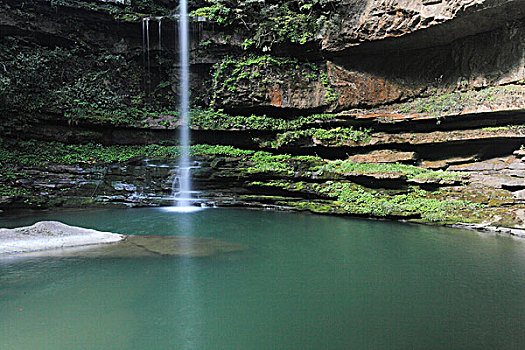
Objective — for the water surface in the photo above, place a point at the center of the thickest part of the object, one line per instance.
(307, 282)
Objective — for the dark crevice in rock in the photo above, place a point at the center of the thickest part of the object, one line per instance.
(482, 149)
(275, 191)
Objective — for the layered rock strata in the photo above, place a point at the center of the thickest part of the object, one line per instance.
(401, 109)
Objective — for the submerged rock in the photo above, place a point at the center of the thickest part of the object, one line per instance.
(181, 245)
(51, 238)
(47, 235)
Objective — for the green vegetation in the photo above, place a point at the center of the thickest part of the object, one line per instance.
(79, 83)
(455, 102)
(313, 206)
(282, 184)
(351, 198)
(34, 153)
(39, 153)
(131, 12)
(330, 94)
(496, 128)
(218, 120)
(516, 128)
(416, 203)
(231, 73)
(265, 23)
(263, 162)
(410, 171)
(18, 156)
(333, 137)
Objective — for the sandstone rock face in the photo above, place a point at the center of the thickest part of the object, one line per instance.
(377, 52)
(369, 79)
(437, 84)
(373, 20)
(384, 156)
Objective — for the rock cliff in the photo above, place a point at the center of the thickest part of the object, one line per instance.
(408, 109)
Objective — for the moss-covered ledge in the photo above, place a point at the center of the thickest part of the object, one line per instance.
(48, 174)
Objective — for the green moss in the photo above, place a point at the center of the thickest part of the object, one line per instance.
(516, 128)
(39, 153)
(231, 72)
(81, 84)
(410, 171)
(351, 198)
(333, 137)
(284, 185)
(455, 102)
(416, 203)
(34, 153)
(314, 207)
(330, 94)
(265, 24)
(264, 162)
(131, 12)
(219, 120)
(13, 191)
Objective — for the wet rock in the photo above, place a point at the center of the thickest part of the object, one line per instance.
(506, 231)
(438, 137)
(120, 186)
(514, 173)
(183, 245)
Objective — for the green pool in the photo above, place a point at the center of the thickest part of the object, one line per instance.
(305, 282)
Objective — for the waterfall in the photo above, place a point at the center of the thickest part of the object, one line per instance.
(181, 185)
(146, 54)
(184, 195)
(160, 33)
(147, 42)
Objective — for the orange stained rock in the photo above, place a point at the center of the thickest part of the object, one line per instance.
(357, 88)
(275, 96)
(438, 164)
(383, 156)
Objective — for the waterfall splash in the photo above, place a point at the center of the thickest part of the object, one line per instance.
(184, 198)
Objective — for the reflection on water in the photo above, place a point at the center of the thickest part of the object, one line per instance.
(189, 296)
(183, 209)
(307, 282)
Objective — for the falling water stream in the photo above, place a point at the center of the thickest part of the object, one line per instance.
(184, 198)
(182, 193)
(184, 162)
